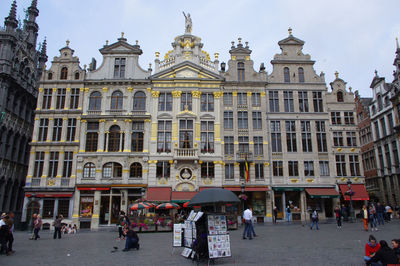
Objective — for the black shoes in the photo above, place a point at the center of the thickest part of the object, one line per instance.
(138, 246)
(125, 249)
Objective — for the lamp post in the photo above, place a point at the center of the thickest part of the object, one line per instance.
(350, 193)
(242, 189)
(33, 198)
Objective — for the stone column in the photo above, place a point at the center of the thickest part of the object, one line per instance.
(39, 99)
(303, 206)
(104, 101)
(146, 135)
(100, 145)
(53, 99)
(60, 167)
(64, 129)
(106, 136)
(122, 136)
(96, 210)
(128, 135)
(75, 213)
(78, 130)
(81, 98)
(82, 135)
(50, 130)
(67, 98)
(45, 169)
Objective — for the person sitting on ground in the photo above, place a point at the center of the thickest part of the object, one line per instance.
(385, 255)
(371, 248)
(64, 229)
(69, 229)
(396, 247)
(132, 239)
(75, 228)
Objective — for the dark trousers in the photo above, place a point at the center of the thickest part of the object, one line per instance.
(275, 217)
(131, 243)
(57, 232)
(36, 232)
(10, 241)
(339, 221)
(120, 232)
(380, 218)
(247, 229)
(3, 243)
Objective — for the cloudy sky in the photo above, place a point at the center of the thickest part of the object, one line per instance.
(353, 37)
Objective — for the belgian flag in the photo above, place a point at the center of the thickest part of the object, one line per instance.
(246, 169)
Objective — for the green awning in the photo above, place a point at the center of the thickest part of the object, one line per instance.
(288, 188)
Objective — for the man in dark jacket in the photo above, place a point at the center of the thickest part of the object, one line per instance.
(380, 210)
(132, 240)
(4, 233)
(385, 255)
(57, 226)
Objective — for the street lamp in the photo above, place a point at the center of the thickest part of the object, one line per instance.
(33, 198)
(242, 196)
(350, 193)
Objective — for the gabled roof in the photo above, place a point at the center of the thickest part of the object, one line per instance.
(375, 81)
(121, 47)
(291, 40)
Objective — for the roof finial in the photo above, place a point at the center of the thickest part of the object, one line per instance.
(336, 74)
(397, 43)
(122, 34)
(233, 44)
(67, 42)
(106, 42)
(240, 40)
(290, 31)
(376, 73)
(13, 10)
(137, 42)
(34, 3)
(44, 46)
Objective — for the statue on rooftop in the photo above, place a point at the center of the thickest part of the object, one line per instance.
(188, 23)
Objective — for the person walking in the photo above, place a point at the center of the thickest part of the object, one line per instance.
(314, 219)
(380, 210)
(57, 226)
(247, 215)
(388, 212)
(37, 224)
(372, 217)
(344, 213)
(365, 215)
(10, 239)
(275, 214)
(338, 214)
(120, 224)
(4, 232)
(288, 214)
(252, 224)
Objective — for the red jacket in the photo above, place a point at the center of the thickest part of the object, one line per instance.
(369, 249)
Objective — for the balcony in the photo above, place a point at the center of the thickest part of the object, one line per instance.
(65, 182)
(185, 154)
(35, 182)
(241, 156)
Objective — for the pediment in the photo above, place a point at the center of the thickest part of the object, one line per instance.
(121, 47)
(187, 70)
(291, 41)
(207, 116)
(186, 114)
(164, 116)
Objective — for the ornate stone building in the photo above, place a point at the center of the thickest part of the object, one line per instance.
(20, 70)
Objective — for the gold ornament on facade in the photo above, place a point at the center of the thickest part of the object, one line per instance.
(294, 180)
(148, 89)
(247, 58)
(102, 121)
(218, 94)
(353, 149)
(105, 89)
(206, 54)
(40, 89)
(339, 149)
(155, 94)
(196, 94)
(207, 181)
(262, 94)
(176, 94)
(234, 93)
(130, 89)
(310, 180)
(157, 55)
(216, 55)
(233, 57)
(249, 93)
(166, 56)
(51, 182)
(54, 89)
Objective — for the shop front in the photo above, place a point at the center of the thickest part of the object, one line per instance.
(292, 197)
(359, 196)
(323, 200)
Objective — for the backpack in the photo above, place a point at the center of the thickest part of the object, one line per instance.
(315, 215)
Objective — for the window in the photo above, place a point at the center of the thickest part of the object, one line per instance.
(321, 136)
(303, 101)
(349, 118)
(288, 101)
(60, 100)
(293, 168)
(380, 103)
(164, 136)
(377, 130)
(229, 171)
(50, 76)
(273, 101)
(207, 170)
(277, 168)
(163, 170)
(57, 129)
(165, 101)
(89, 170)
(139, 101)
(258, 146)
(64, 73)
(339, 96)
(351, 139)
(286, 75)
(395, 155)
(135, 171)
(92, 136)
(324, 168)
(291, 136)
(47, 93)
(306, 136)
(383, 126)
(228, 120)
(186, 101)
(242, 98)
(43, 127)
(308, 168)
(335, 118)
(257, 124)
(301, 75)
(76, 75)
(243, 120)
(259, 170)
(137, 136)
(228, 99)
(207, 102)
(95, 101)
(242, 170)
(243, 144)
(256, 99)
(381, 161)
(74, 103)
(391, 125)
(48, 208)
(276, 136)
(63, 208)
(53, 164)
(207, 137)
(112, 170)
(240, 68)
(68, 158)
(340, 165)
(71, 129)
(388, 158)
(228, 145)
(387, 101)
(39, 163)
(116, 100)
(119, 67)
(114, 139)
(317, 100)
(186, 134)
(338, 139)
(354, 165)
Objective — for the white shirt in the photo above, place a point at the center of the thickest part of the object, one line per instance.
(247, 214)
(2, 222)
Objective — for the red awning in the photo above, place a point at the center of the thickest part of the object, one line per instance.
(359, 190)
(247, 189)
(50, 195)
(318, 192)
(93, 188)
(182, 195)
(159, 194)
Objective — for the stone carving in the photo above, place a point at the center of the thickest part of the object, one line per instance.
(188, 23)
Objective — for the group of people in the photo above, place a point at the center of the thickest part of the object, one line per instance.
(7, 233)
(375, 214)
(248, 224)
(378, 254)
(126, 232)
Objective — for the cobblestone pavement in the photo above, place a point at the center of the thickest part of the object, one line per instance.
(276, 245)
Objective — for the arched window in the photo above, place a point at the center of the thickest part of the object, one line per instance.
(116, 100)
(112, 170)
(50, 76)
(301, 75)
(240, 68)
(89, 170)
(95, 101)
(373, 109)
(136, 170)
(64, 73)
(380, 103)
(286, 74)
(76, 75)
(139, 101)
(387, 101)
(339, 96)
(114, 139)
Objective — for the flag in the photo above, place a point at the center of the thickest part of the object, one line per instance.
(246, 169)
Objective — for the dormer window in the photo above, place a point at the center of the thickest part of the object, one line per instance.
(339, 96)
(50, 76)
(64, 73)
(286, 74)
(240, 68)
(76, 75)
(119, 68)
(301, 75)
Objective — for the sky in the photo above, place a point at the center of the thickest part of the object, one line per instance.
(353, 37)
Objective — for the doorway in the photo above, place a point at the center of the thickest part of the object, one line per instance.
(115, 208)
(279, 204)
